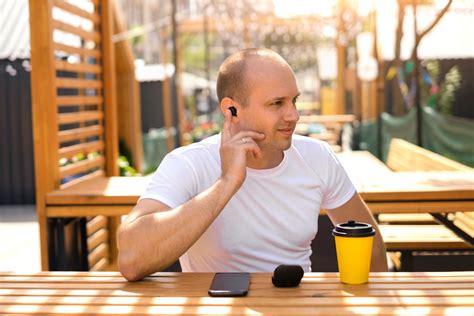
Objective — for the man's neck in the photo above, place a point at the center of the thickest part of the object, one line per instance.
(269, 160)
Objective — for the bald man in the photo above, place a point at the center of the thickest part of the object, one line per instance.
(247, 199)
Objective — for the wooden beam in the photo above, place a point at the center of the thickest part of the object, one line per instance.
(101, 236)
(89, 147)
(88, 210)
(43, 91)
(79, 100)
(68, 7)
(166, 100)
(79, 133)
(81, 166)
(111, 134)
(68, 83)
(85, 68)
(93, 175)
(86, 35)
(128, 96)
(111, 116)
(94, 53)
(77, 117)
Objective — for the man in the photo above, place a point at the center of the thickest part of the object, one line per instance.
(249, 198)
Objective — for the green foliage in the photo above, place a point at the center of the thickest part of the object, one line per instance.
(450, 85)
(194, 52)
(125, 169)
(137, 40)
(204, 130)
(440, 96)
(78, 157)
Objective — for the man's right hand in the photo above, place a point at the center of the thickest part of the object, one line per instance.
(234, 149)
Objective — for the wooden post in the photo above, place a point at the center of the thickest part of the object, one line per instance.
(110, 98)
(180, 97)
(128, 96)
(43, 91)
(177, 72)
(341, 63)
(111, 118)
(166, 101)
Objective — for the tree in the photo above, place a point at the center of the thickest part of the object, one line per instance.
(411, 80)
(408, 81)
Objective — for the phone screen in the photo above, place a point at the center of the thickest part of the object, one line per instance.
(230, 284)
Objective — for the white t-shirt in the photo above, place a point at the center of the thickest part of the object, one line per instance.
(273, 217)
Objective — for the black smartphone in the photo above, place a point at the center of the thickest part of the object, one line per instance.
(230, 284)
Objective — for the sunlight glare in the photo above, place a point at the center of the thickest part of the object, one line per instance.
(285, 8)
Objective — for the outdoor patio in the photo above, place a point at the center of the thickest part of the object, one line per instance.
(19, 232)
(95, 93)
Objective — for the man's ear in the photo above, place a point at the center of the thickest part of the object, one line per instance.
(227, 103)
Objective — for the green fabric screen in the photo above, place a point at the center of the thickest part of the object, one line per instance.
(449, 136)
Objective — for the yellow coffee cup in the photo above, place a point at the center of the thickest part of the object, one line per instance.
(354, 251)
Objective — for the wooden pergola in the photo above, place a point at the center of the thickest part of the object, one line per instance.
(84, 99)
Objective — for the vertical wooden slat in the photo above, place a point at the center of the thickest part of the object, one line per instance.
(110, 99)
(110, 103)
(181, 99)
(167, 108)
(128, 96)
(44, 110)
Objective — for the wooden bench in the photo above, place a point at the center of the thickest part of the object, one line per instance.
(75, 123)
(420, 237)
(405, 156)
(417, 232)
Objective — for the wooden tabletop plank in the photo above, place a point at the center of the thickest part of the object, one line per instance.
(102, 190)
(248, 301)
(258, 275)
(257, 278)
(208, 279)
(200, 289)
(263, 277)
(277, 293)
(231, 310)
(186, 293)
(374, 181)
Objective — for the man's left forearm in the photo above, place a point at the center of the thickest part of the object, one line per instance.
(356, 209)
(379, 255)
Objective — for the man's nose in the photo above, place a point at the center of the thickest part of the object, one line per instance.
(292, 114)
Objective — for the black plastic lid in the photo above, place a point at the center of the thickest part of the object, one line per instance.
(353, 229)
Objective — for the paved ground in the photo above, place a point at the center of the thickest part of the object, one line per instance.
(19, 238)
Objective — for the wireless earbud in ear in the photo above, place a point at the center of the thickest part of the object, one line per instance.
(233, 110)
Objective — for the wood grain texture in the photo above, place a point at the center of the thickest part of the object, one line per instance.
(84, 68)
(94, 53)
(128, 95)
(86, 35)
(79, 133)
(71, 8)
(107, 293)
(109, 91)
(44, 116)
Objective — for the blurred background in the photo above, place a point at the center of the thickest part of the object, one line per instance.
(367, 70)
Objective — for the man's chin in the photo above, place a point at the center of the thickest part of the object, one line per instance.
(285, 145)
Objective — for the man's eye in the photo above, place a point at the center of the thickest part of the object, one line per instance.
(295, 100)
(277, 103)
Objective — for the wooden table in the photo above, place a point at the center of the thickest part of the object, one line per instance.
(385, 191)
(107, 293)
(408, 192)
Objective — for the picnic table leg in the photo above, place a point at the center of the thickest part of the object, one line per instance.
(443, 219)
(406, 259)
